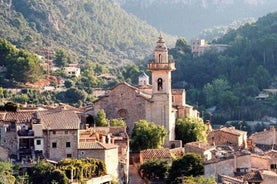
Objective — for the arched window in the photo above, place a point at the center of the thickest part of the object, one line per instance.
(160, 84)
(160, 58)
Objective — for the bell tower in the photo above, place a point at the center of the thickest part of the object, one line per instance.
(161, 67)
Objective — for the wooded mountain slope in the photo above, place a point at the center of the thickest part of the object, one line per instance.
(96, 30)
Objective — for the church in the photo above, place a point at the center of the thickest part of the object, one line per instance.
(156, 102)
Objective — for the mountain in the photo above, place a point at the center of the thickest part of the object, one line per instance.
(228, 83)
(96, 30)
(189, 17)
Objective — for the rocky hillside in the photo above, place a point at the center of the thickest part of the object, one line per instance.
(95, 30)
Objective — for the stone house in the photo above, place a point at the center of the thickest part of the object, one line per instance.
(106, 152)
(240, 165)
(57, 133)
(16, 133)
(165, 154)
(201, 148)
(110, 144)
(272, 154)
(229, 136)
(72, 71)
(267, 137)
(228, 165)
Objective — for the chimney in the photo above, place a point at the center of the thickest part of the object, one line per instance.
(109, 138)
(104, 139)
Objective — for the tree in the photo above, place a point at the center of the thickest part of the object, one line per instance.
(190, 130)
(117, 122)
(198, 180)
(190, 164)
(154, 169)
(7, 50)
(101, 119)
(6, 176)
(62, 59)
(24, 67)
(147, 136)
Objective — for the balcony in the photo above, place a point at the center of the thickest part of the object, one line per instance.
(25, 133)
(161, 66)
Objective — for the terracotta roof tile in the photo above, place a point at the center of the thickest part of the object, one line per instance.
(163, 153)
(17, 116)
(59, 120)
(95, 145)
(253, 176)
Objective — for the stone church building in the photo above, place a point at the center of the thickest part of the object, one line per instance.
(157, 103)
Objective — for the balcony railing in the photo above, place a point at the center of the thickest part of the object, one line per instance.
(161, 66)
(25, 133)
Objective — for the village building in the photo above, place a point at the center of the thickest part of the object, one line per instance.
(265, 140)
(157, 103)
(72, 71)
(200, 46)
(201, 148)
(229, 136)
(55, 134)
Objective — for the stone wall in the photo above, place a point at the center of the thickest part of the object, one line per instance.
(109, 156)
(60, 137)
(123, 102)
(226, 166)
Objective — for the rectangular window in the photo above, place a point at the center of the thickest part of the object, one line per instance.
(54, 144)
(273, 166)
(66, 132)
(68, 144)
(54, 132)
(68, 155)
(38, 142)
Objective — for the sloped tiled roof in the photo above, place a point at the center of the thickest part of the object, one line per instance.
(162, 153)
(231, 130)
(59, 119)
(177, 152)
(16, 116)
(253, 176)
(200, 145)
(95, 145)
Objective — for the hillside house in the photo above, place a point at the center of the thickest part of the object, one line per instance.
(228, 135)
(201, 148)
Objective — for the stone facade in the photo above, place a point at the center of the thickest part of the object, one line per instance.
(107, 153)
(60, 144)
(201, 148)
(157, 103)
(227, 166)
(228, 136)
(267, 137)
(123, 101)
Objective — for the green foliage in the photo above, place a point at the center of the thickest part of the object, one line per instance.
(83, 168)
(154, 170)
(62, 59)
(9, 106)
(7, 50)
(230, 80)
(6, 176)
(101, 119)
(117, 122)
(190, 130)
(131, 73)
(85, 29)
(24, 67)
(147, 135)
(189, 165)
(44, 172)
(198, 180)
